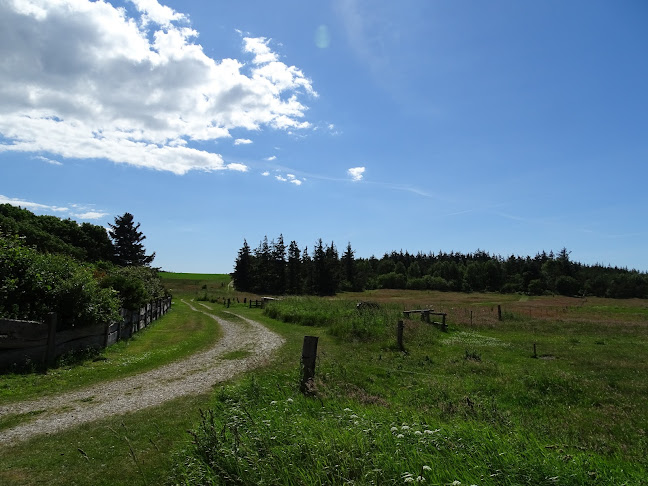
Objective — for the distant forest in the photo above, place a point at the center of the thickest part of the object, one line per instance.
(276, 268)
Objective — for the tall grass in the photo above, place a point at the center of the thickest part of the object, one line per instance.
(341, 317)
(261, 432)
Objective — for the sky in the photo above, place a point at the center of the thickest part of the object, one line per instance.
(423, 125)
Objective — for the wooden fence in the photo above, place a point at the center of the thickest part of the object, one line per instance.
(39, 342)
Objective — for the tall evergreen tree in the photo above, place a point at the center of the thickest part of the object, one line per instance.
(294, 274)
(127, 242)
(278, 266)
(349, 268)
(242, 275)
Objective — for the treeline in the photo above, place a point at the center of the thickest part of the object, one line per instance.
(49, 264)
(275, 268)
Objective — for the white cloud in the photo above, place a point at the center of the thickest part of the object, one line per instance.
(48, 161)
(271, 158)
(82, 79)
(79, 211)
(265, 174)
(356, 173)
(91, 215)
(242, 141)
(32, 206)
(288, 178)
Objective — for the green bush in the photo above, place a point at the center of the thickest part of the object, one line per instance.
(136, 286)
(33, 284)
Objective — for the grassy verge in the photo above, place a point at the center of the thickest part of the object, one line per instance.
(176, 335)
(473, 405)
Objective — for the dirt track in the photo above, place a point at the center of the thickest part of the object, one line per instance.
(194, 375)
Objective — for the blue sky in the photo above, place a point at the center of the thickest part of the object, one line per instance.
(511, 127)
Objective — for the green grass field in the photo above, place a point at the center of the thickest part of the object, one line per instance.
(472, 405)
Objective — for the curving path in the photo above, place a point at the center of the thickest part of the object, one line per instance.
(193, 375)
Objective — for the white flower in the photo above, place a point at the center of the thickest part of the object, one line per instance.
(405, 427)
(394, 429)
(289, 400)
(427, 468)
(400, 436)
(418, 432)
(348, 410)
(353, 416)
(273, 402)
(456, 483)
(420, 479)
(409, 479)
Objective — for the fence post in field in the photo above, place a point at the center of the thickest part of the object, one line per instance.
(51, 339)
(399, 335)
(444, 327)
(499, 312)
(471, 318)
(535, 354)
(309, 356)
(228, 302)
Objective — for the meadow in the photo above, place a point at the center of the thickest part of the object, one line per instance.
(473, 405)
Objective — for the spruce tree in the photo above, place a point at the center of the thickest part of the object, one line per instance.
(242, 275)
(127, 242)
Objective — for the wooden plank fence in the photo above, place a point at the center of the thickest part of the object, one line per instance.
(39, 342)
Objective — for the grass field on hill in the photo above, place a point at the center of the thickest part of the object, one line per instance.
(472, 405)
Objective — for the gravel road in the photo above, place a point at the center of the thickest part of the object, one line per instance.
(194, 375)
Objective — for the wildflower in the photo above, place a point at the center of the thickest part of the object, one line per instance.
(353, 416)
(409, 479)
(427, 468)
(348, 410)
(273, 402)
(289, 400)
(420, 479)
(400, 436)
(418, 432)
(456, 483)
(405, 427)
(394, 429)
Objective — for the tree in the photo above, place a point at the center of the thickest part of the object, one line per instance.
(294, 269)
(242, 275)
(127, 241)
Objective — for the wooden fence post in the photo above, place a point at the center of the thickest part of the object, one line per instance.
(499, 312)
(308, 359)
(50, 355)
(471, 318)
(444, 326)
(399, 335)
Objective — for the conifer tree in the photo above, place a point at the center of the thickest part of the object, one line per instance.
(127, 242)
(242, 275)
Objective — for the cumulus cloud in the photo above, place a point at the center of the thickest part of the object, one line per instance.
(271, 158)
(84, 80)
(356, 173)
(242, 141)
(265, 174)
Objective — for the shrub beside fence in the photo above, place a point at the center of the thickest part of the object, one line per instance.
(22, 342)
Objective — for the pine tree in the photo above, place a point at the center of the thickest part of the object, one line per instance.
(294, 270)
(127, 242)
(242, 275)
(278, 266)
